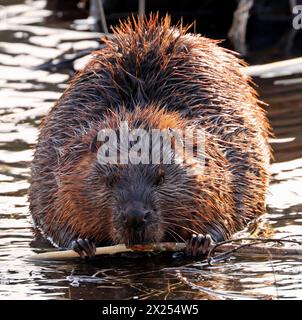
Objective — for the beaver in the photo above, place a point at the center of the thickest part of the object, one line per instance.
(153, 76)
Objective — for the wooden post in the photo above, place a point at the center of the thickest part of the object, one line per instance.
(237, 32)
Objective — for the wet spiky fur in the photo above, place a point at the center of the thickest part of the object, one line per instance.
(155, 76)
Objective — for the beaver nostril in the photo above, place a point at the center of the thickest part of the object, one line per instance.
(136, 218)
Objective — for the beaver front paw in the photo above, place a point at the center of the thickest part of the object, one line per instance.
(198, 245)
(84, 247)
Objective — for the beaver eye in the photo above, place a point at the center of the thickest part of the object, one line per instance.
(160, 178)
(94, 145)
(110, 180)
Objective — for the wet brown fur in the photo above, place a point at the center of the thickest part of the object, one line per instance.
(154, 76)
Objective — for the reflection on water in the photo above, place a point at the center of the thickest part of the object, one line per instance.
(25, 96)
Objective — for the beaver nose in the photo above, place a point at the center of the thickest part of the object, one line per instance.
(136, 218)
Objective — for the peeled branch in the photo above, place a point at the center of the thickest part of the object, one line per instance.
(224, 249)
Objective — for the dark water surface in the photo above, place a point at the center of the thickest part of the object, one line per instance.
(25, 96)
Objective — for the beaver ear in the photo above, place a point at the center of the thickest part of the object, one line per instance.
(95, 144)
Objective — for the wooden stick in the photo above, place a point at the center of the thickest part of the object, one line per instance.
(141, 9)
(275, 69)
(102, 16)
(70, 254)
(237, 32)
(171, 246)
(120, 248)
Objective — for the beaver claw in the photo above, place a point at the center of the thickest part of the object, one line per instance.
(84, 247)
(198, 245)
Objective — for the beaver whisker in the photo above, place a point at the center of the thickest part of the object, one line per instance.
(191, 231)
(184, 217)
(172, 233)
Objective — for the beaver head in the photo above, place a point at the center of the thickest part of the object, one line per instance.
(146, 201)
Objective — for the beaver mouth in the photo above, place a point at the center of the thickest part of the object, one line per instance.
(148, 234)
(136, 237)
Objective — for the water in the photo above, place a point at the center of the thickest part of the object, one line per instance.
(25, 96)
